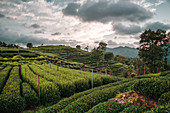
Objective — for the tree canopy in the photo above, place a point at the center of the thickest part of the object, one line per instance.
(151, 49)
(29, 45)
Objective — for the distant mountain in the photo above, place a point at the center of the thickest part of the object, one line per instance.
(124, 51)
(129, 52)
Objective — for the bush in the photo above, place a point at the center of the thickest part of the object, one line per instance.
(147, 76)
(10, 99)
(109, 79)
(165, 73)
(66, 88)
(107, 107)
(4, 76)
(30, 95)
(152, 87)
(50, 93)
(81, 85)
(11, 104)
(134, 109)
(164, 99)
(160, 109)
(86, 102)
(133, 75)
(66, 101)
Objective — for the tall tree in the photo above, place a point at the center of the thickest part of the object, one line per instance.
(151, 50)
(78, 46)
(97, 55)
(29, 45)
(108, 56)
(86, 48)
(102, 45)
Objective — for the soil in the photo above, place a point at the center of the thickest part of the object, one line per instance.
(134, 99)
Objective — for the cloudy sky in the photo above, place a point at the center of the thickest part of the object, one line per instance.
(83, 22)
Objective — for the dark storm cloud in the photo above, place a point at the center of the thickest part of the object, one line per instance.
(57, 33)
(38, 31)
(96, 42)
(105, 11)
(135, 29)
(124, 30)
(71, 9)
(35, 26)
(26, 0)
(157, 25)
(1, 15)
(13, 37)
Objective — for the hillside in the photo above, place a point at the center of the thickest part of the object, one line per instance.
(124, 51)
(96, 100)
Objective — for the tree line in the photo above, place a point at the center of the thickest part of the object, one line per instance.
(3, 44)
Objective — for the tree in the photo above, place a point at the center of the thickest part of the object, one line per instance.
(108, 56)
(78, 46)
(151, 50)
(102, 46)
(86, 48)
(120, 59)
(29, 45)
(118, 69)
(97, 55)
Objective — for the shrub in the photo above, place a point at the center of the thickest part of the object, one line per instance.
(160, 109)
(86, 102)
(81, 85)
(107, 107)
(134, 109)
(11, 103)
(66, 88)
(30, 95)
(10, 99)
(109, 79)
(133, 75)
(164, 99)
(50, 93)
(66, 101)
(4, 76)
(152, 87)
(165, 73)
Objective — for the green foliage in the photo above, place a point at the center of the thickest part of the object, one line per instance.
(150, 50)
(120, 59)
(152, 87)
(50, 93)
(29, 45)
(4, 76)
(30, 95)
(118, 68)
(165, 73)
(18, 57)
(164, 99)
(107, 107)
(133, 75)
(97, 55)
(108, 56)
(160, 109)
(78, 46)
(86, 102)
(11, 104)
(147, 76)
(66, 101)
(10, 99)
(134, 109)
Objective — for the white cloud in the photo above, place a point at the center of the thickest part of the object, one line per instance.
(19, 16)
